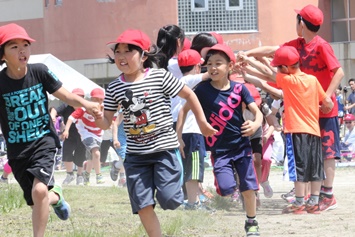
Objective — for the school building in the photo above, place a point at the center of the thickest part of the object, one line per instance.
(76, 31)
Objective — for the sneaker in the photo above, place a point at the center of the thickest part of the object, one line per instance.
(268, 192)
(86, 177)
(68, 179)
(295, 209)
(62, 208)
(114, 171)
(79, 180)
(4, 180)
(289, 196)
(198, 206)
(312, 209)
(99, 179)
(326, 204)
(252, 229)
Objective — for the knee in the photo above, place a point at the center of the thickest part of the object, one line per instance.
(39, 192)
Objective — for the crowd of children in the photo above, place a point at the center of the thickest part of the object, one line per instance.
(161, 144)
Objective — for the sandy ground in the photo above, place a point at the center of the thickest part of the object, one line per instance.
(338, 222)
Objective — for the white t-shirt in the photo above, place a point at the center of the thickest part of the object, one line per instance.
(173, 67)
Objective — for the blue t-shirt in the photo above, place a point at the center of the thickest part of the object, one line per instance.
(223, 110)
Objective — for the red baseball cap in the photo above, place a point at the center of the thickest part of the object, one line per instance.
(97, 93)
(349, 117)
(134, 37)
(285, 55)
(187, 44)
(78, 91)
(189, 57)
(13, 31)
(218, 37)
(219, 47)
(311, 14)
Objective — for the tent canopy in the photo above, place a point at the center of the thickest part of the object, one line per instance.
(67, 75)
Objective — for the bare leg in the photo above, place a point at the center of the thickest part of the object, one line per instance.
(257, 165)
(250, 202)
(68, 166)
(95, 153)
(150, 221)
(192, 189)
(40, 208)
(329, 168)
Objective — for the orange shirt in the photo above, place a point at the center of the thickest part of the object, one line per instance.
(302, 94)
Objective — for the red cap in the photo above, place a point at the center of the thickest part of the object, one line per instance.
(311, 14)
(285, 55)
(187, 44)
(349, 117)
(13, 31)
(219, 47)
(218, 37)
(78, 91)
(189, 57)
(97, 93)
(134, 37)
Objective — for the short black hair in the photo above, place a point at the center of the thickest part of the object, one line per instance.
(186, 69)
(309, 25)
(351, 80)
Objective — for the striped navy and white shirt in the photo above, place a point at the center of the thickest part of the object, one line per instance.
(146, 109)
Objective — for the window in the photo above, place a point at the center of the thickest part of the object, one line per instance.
(223, 16)
(343, 20)
(199, 5)
(234, 4)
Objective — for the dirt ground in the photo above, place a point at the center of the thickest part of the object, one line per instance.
(338, 222)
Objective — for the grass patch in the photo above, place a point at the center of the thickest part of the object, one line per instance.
(11, 198)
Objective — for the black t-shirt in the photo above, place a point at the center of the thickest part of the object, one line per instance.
(24, 117)
(65, 111)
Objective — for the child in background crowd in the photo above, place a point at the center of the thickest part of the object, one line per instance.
(153, 162)
(90, 134)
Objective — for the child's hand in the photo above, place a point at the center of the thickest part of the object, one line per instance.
(116, 144)
(207, 130)
(95, 109)
(65, 135)
(249, 128)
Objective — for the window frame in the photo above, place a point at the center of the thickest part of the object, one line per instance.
(229, 8)
(199, 9)
(348, 20)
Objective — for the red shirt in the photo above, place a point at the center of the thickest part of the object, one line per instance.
(318, 59)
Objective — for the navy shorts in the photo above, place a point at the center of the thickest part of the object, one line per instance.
(304, 155)
(40, 165)
(194, 166)
(154, 175)
(223, 169)
(329, 129)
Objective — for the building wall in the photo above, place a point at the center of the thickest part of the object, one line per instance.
(77, 31)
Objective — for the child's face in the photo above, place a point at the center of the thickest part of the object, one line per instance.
(218, 67)
(128, 61)
(98, 100)
(17, 53)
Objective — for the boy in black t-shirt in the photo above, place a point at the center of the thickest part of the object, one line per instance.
(27, 127)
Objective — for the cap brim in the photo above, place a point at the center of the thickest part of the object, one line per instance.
(111, 45)
(297, 11)
(19, 37)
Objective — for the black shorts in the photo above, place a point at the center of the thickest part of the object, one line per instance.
(74, 151)
(257, 145)
(304, 155)
(40, 165)
(194, 166)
